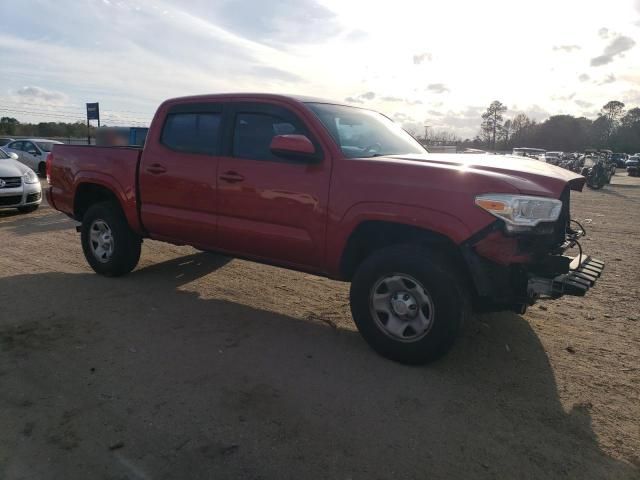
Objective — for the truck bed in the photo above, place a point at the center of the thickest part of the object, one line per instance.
(115, 168)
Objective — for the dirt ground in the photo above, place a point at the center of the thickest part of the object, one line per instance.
(195, 367)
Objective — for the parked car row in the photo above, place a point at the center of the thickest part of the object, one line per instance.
(633, 165)
(32, 152)
(19, 185)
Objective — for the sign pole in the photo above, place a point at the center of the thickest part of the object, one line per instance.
(93, 113)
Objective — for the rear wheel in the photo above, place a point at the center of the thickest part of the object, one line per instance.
(408, 304)
(42, 169)
(109, 245)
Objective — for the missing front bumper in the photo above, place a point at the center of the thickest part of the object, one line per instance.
(584, 270)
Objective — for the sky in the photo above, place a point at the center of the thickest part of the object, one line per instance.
(437, 63)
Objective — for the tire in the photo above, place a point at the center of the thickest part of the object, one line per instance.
(448, 307)
(28, 208)
(42, 169)
(115, 248)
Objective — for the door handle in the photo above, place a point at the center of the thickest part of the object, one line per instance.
(231, 177)
(156, 169)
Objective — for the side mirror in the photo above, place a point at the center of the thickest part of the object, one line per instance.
(293, 146)
(14, 156)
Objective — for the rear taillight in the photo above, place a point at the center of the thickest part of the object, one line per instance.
(48, 169)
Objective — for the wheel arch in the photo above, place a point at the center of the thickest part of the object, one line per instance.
(370, 236)
(88, 194)
(90, 191)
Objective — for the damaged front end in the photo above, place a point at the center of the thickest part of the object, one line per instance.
(512, 269)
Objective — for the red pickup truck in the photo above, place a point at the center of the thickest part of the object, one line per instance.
(337, 191)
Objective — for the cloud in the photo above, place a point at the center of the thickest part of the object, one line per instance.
(41, 95)
(608, 79)
(616, 47)
(566, 48)
(402, 117)
(435, 113)
(391, 99)
(564, 98)
(277, 22)
(356, 35)
(361, 98)
(422, 57)
(583, 103)
(584, 77)
(437, 88)
(413, 102)
(275, 74)
(604, 32)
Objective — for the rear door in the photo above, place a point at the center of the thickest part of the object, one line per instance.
(177, 178)
(271, 208)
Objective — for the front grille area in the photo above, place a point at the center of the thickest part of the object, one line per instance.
(34, 197)
(11, 200)
(564, 221)
(10, 182)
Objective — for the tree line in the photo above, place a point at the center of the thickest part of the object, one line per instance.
(9, 127)
(615, 128)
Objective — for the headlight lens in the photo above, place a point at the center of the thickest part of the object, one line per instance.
(30, 177)
(521, 210)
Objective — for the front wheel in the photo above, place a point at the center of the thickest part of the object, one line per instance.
(408, 304)
(109, 245)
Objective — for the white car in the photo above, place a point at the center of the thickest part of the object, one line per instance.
(19, 185)
(32, 152)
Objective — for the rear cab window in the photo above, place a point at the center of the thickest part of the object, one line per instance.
(193, 129)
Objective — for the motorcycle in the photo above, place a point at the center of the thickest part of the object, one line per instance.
(597, 175)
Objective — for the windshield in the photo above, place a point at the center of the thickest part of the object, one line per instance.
(364, 133)
(45, 146)
(3, 155)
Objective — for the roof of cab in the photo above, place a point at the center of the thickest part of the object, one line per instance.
(257, 96)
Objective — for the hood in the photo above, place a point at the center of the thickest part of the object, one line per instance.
(529, 176)
(12, 168)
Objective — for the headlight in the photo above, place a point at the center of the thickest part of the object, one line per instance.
(30, 177)
(520, 210)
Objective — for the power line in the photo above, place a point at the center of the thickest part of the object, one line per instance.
(110, 117)
(107, 113)
(79, 108)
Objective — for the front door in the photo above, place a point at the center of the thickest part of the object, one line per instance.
(32, 156)
(271, 208)
(16, 147)
(178, 175)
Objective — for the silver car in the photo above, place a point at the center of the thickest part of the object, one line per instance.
(32, 152)
(19, 185)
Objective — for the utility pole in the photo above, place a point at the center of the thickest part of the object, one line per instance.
(426, 132)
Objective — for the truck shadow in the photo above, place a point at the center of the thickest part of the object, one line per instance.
(144, 377)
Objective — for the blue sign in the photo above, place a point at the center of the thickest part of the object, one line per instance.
(93, 111)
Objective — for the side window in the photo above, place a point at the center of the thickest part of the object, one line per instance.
(30, 148)
(253, 133)
(192, 132)
(16, 145)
